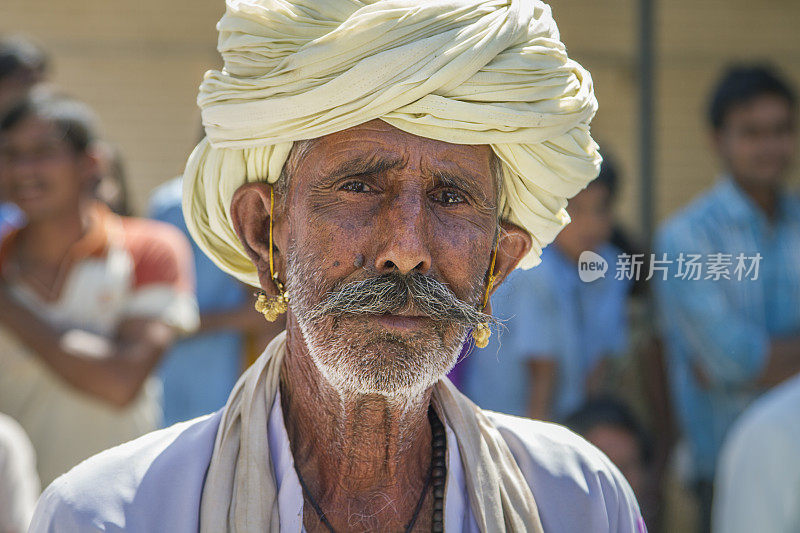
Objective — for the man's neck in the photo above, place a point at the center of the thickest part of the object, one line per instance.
(363, 457)
(47, 241)
(766, 197)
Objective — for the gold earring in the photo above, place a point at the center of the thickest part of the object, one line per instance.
(482, 331)
(272, 306)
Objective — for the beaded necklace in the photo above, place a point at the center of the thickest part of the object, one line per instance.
(436, 477)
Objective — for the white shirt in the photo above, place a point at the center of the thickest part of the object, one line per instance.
(19, 483)
(758, 478)
(154, 483)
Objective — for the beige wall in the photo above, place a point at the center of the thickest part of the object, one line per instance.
(139, 64)
(695, 40)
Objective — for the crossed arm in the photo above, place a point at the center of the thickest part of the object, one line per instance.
(113, 370)
(728, 348)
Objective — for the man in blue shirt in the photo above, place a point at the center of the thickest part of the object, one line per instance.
(559, 331)
(729, 337)
(198, 373)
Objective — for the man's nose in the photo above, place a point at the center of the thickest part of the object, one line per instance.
(404, 236)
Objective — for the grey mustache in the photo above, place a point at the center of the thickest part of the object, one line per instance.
(393, 293)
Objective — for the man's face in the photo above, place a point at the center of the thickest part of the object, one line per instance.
(39, 170)
(371, 203)
(591, 221)
(757, 141)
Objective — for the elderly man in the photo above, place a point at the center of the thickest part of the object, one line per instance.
(390, 162)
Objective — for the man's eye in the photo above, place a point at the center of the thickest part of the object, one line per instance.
(448, 197)
(355, 186)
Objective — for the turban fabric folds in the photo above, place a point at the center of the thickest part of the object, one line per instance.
(462, 71)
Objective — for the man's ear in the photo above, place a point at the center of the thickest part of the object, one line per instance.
(250, 207)
(513, 244)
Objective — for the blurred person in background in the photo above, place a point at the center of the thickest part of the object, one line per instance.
(19, 482)
(23, 65)
(728, 340)
(199, 372)
(610, 424)
(111, 185)
(558, 330)
(89, 301)
(757, 487)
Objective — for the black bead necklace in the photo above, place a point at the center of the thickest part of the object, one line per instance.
(437, 475)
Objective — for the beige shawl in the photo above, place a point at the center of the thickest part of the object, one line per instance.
(240, 492)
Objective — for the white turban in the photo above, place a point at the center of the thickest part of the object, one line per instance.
(462, 71)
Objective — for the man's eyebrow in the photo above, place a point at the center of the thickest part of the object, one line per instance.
(372, 164)
(465, 181)
(377, 163)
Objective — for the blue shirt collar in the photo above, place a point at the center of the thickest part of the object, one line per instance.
(742, 208)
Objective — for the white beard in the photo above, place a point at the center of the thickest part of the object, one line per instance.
(357, 358)
(377, 362)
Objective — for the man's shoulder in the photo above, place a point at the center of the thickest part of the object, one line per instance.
(135, 486)
(575, 485)
(758, 471)
(165, 204)
(12, 436)
(779, 402)
(704, 211)
(771, 417)
(144, 232)
(168, 195)
(160, 253)
(551, 448)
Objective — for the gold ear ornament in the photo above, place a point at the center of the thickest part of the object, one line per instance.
(272, 306)
(482, 331)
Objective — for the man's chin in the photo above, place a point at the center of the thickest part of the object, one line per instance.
(772, 177)
(385, 362)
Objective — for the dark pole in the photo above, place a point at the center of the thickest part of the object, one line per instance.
(647, 120)
(646, 139)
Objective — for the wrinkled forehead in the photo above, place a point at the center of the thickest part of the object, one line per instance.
(376, 147)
